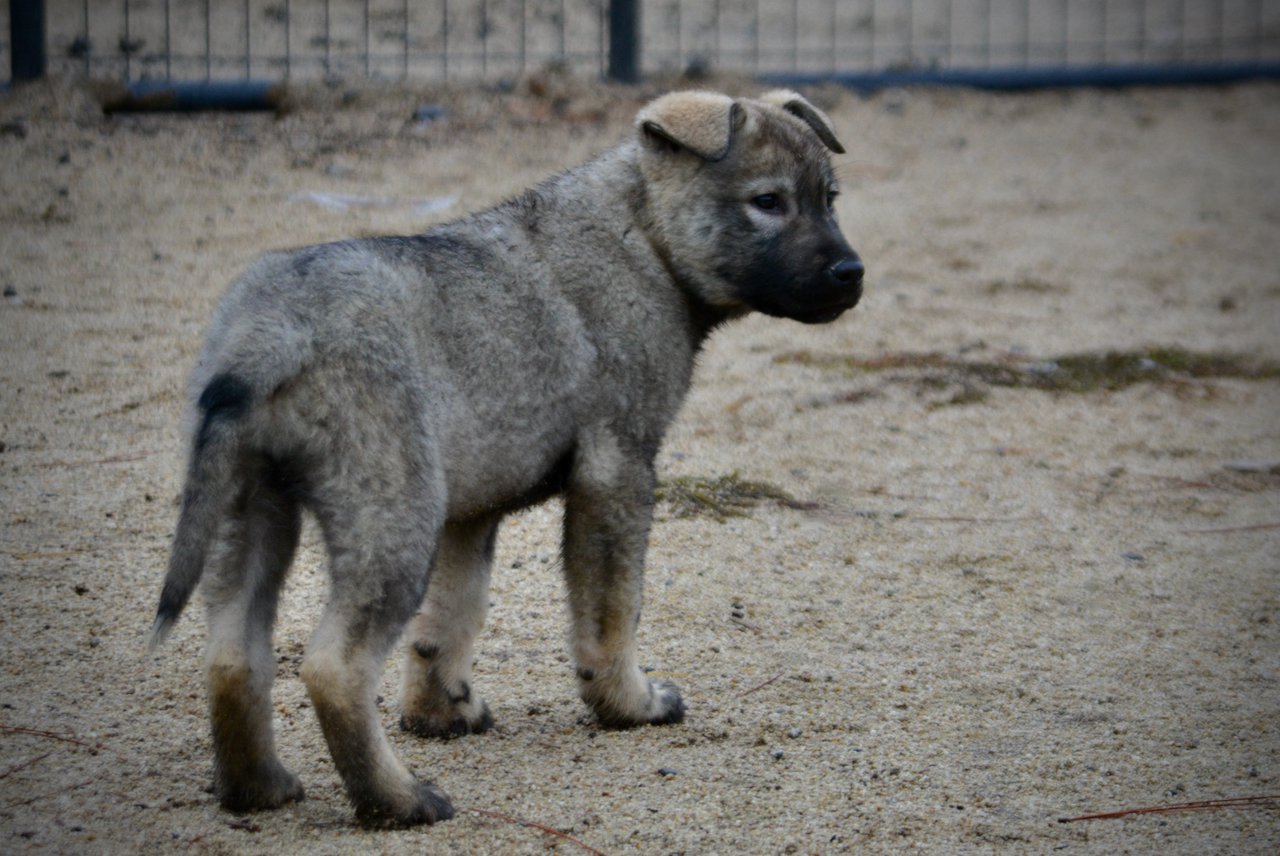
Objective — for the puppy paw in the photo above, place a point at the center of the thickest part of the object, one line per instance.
(269, 788)
(445, 723)
(668, 705)
(428, 805)
(659, 704)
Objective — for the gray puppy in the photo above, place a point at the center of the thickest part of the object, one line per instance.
(411, 391)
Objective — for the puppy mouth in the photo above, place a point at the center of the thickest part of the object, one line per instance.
(821, 316)
(825, 313)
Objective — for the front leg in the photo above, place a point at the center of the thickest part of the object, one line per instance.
(608, 509)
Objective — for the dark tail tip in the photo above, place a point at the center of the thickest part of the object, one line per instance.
(225, 397)
(171, 604)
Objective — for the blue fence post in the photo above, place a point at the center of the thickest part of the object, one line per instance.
(624, 40)
(26, 39)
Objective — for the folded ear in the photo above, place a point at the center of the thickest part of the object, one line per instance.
(701, 122)
(795, 104)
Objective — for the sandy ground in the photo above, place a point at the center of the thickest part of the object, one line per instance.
(997, 606)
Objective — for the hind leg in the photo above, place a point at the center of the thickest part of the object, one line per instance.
(380, 550)
(247, 570)
(438, 700)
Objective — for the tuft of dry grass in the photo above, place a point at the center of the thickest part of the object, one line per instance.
(1074, 373)
(721, 497)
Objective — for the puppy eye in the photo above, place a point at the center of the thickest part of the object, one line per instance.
(831, 198)
(768, 202)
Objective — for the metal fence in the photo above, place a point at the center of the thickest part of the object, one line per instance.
(852, 40)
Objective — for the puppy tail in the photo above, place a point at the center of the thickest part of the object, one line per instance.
(210, 485)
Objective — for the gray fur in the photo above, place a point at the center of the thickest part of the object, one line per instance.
(411, 391)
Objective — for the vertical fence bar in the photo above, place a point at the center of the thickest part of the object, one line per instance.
(1182, 32)
(560, 37)
(26, 39)
(208, 42)
(1221, 22)
(831, 64)
(1259, 49)
(1026, 33)
(911, 34)
(986, 32)
(1066, 32)
(602, 37)
(755, 41)
(288, 42)
(1142, 32)
(951, 36)
(795, 35)
(88, 45)
(168, 44)
(126, 45)
(715, 33)
(484, 38)
(871, 36)
(248, 44)
(624, 40)
(679, 16)
(1104, 30)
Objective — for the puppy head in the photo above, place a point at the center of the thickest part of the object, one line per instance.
(741, 198)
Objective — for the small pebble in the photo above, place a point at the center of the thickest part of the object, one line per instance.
(1133, 557)
(778, 754)
(794, 733)
(668, 771)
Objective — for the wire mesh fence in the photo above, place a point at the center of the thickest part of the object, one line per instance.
(224, 40)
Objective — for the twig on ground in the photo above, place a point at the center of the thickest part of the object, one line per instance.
(52, 735)
(43, 796)
(1271, 801)
(24, 765)
(497, 815)
(1224, 529)
(1175, 482)
(114, 459)
(925, 519)
(761, 686)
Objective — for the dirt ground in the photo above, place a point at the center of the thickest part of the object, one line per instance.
(933, 577)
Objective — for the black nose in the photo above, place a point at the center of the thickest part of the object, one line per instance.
(847, 272)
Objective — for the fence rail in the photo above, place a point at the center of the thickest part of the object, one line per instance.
(275, 40)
